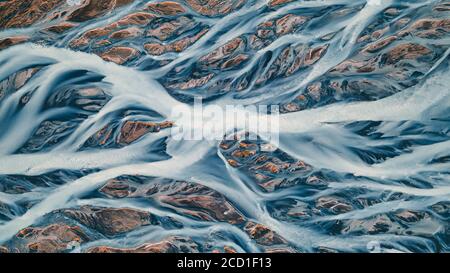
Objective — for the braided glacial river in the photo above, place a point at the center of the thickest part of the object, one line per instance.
(362, 159)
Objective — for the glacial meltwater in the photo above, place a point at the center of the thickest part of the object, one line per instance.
(357, 159)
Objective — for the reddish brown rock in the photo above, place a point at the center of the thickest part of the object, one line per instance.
(177, 46)
(364, 66)
(263, 235)
(244, 153)
(226, 249)
(315, 54)
(226, 144)
(184, 43)
(171, 28)
(215, 7)
(299, 60)
(315, 91)
(410, 216)
(289, 23)
(79, 42)
(103, 135)
(155, 48)
(333, 204)
(291, 107)
(188, 198)
(102, 43)
(134, 21)
(137, 18)
(88, 36)
(173, 244)
(196, 200)
(233, 163)
(235, 61)
(119, 55)
(223, 51)
(265, 33)
(19, 13)
(402, 22)
(215, 206)
(117, 189)
(95, 8)
(10, 41)
(126, 33)
(269, 167)
(274, 3)
(229, 249)
(374, 47)
(61, 28)
(291, 60)
(50, 239)
(110, 221)
(193, 83)
(426, 24)
(133, 130)
(428, 28)
(166, 8)
(378, 33)
(407, 51)
(129, 132)
(96, 32)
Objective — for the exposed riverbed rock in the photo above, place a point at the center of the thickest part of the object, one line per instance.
(171, 28)
(407, 51)
(119, 55)
(19, 13)
(273, 3)
(57, 237)
(133, 130)
(263, 235)
(215, 7)
(333, 204)
(166, 8)
(61, 28)
(269, 167)
(428, 28)
(10, 41)
(174, 244)
(110, 221)
(125, 133)
(95, 8)
(177, 46)
(16, 81)
(192, 199)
